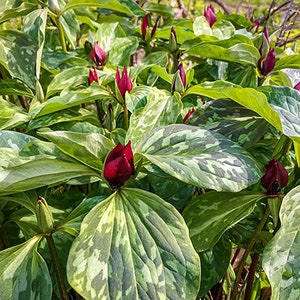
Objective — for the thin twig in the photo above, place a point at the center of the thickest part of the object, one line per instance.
(281, 34)
(223, 6)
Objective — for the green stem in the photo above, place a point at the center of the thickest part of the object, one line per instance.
(61, 34)
(125, 110)
(247, 252)
(59, 276)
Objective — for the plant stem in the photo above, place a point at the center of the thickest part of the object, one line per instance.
(125, 110)
(251, 275)
(247, 252)
(61, 34)
(59, 276)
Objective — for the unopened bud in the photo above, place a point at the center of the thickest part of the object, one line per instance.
(44, 215)
(173, 46)
(39, 92)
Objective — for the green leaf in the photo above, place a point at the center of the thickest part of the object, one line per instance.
(214, 263)
(8, 12)
(88, 148)
(199, 157)
(14, 87)
(227, 117)
(291, 61)
(24, 273)
(18, 52)
(211, 214)
(70, 99)
(120, 253)
(281, 258)
(286, 102)
(108, 4)
(70, 27)
(162, 108)
(13, 139)
(121, 50)
(11, 115)
(165, 11)
(237, 49)
(27, 173)
(66, 79)
(35, 26)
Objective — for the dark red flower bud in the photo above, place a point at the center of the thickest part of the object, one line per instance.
(297, 86)
(93, 76)
(266, 65)
(255, 24)
(119, 165)
(98, 55)
(154, 27)
(145, 25)
(266, 34)
(123, 83)
(210, 15)
(188, 115)
(275, 178)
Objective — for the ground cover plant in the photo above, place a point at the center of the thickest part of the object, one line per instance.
(147, 153)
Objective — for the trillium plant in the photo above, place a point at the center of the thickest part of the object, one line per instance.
(148, 151)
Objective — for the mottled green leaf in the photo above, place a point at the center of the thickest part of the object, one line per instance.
(24, 273)
(199, 157)
(61, 118)
(18, 52)
(8, 12)
(122, 49)
(281, 260)
(70, 77)
(14, 87)
(163, 10)
(27, 173)
(211, 214)
(234, 121)
(70, 99)
(88, 148)
(11, 115)
(162, 108)
(35, 26)
(13, 139)
(134, 245)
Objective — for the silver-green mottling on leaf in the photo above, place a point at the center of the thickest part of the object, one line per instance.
(134, 245)
(199, 157)
(281, 257)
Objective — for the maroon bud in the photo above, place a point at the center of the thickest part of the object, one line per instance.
(145, 25)
(119, 165)
(182, 74)
(98, 55)
(297, 86)
(154, 27)
(266, 65)
(275, 178)
(123, 83)
(93, 76)
(266, 34)
(179, 80)
(188, 115)
(210, 15)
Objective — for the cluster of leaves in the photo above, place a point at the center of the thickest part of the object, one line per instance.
(201, 104)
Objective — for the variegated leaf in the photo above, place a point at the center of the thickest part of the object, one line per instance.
(281, 257)
(211, 214)
(199, 157)
(134, 245)
(24, 273)
(162, 109)
(88, 148)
